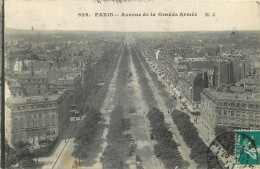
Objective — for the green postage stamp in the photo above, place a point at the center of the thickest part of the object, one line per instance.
(247, 147)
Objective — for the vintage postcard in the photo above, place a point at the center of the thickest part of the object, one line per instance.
(131, 84)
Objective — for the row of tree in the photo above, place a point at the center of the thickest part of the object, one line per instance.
(19, 154)
(160, 86)
(87, 134)
(119, 146)
(191, 137)
(146, 89)
(166, 148)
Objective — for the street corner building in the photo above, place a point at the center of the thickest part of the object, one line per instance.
(36, 120)
(236, 108)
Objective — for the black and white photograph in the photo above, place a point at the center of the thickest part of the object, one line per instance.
(101, 84)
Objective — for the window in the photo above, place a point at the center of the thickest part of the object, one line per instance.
(53, 122)
(257, 106)
(48, 122)
(243, 105)
(225, 103)
(257, 115)
(243, 114)
(35, 124)
(251, 114)
(40, 114)
(219, 121)
(225, 112)
(232, 113)
(22, 125)
(34, 115)
(238, 104)
(232, 104)
(219, 112)
(219, 103)
(30, 134)
(30, 124)
(43, 122)
(40, 133)
(237, 122)
(40, 123)
(251, 106)
(238, 113)
(225, 120)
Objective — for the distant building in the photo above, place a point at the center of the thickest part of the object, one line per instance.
(231, 71)
(39, 66)
(71, 83)
(251, 83)
(225, 73)
(230, 109)
(33, 82)
(36, 119)
(178, 68)
(191, 85)
(14, 87)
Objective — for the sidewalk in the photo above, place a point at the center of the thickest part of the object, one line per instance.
(204, 132)
(50, 161)
(183, 148)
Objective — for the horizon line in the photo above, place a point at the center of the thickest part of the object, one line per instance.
(42, 30)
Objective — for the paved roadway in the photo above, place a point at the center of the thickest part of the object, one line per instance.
(183, 148)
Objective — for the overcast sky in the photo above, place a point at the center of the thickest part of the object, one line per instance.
(63, 15)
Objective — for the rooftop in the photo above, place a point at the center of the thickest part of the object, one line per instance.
(232, 96)
(250, 80)
(29, 74)
(33, 99)
(201, 65)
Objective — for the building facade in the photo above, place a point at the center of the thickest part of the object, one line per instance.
(230, 109)
(192, 84)
(36, 119)
(71, 83)
(34, 83)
